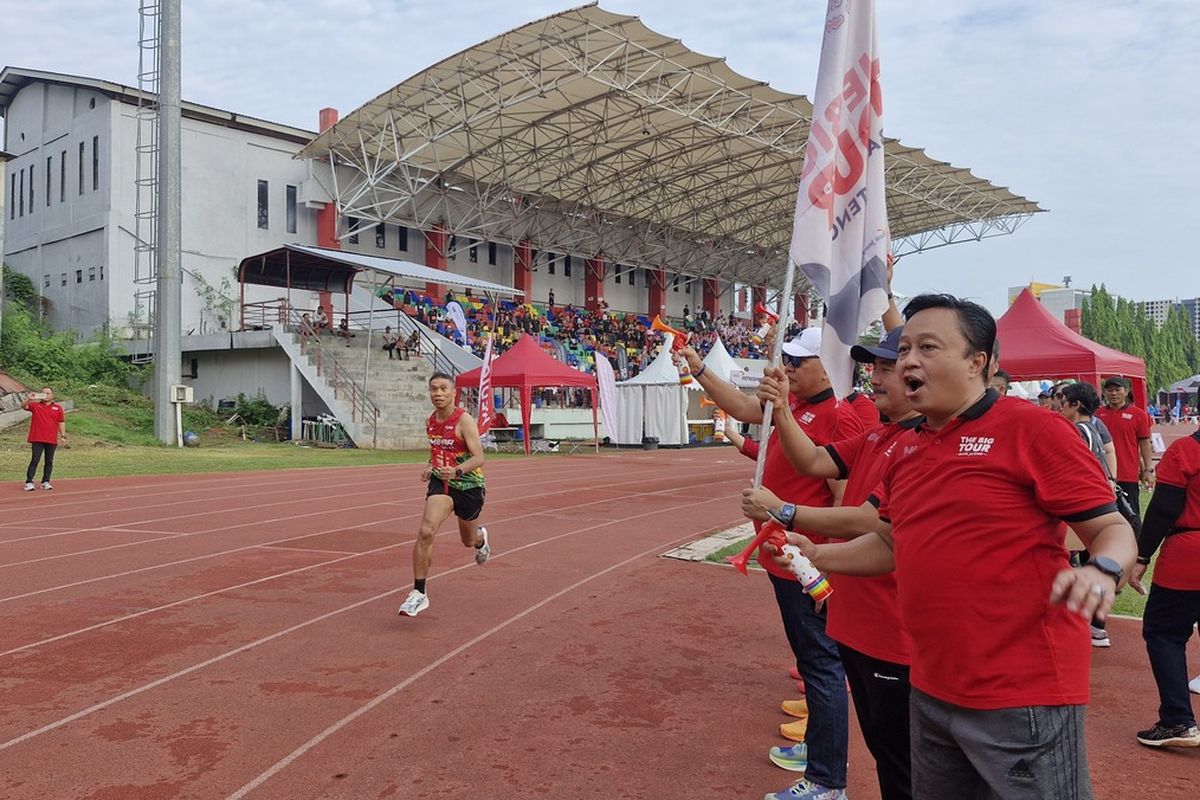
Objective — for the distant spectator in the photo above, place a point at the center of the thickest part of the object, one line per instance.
(47, 424)
(550, 298)
(322, 323)
(389, 342)
(306, 325)
(1001, 381)
(343, 330)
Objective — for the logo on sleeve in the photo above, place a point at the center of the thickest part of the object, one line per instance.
(975, 445)
(807, 417)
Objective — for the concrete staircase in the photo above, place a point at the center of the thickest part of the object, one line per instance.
(397, 389)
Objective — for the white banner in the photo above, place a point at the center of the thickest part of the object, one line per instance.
(840, 239)
(608, 395)
(487, 403)
(455, 312)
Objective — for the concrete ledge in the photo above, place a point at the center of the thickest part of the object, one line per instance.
(701, 549)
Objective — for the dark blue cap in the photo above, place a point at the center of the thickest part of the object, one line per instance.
(888, 349)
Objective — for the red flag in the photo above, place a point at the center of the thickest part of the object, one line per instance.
(487, 405)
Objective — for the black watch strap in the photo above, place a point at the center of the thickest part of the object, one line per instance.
(1106, 565)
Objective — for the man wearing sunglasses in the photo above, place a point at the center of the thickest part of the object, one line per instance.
(819, 414)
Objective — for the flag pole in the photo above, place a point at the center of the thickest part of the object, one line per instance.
(785, 319)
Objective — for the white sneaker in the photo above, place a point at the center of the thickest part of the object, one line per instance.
(1100, 637)
(29, 487)
(46, 485)
(414, 604)
(484, 550)
(1194, 686)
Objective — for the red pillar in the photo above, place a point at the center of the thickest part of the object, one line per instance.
(1073, 317)
(712, 297)
(327, 217)
(435, 256)
(522, 268)
(741, 303)
(593, 281)
(800, 310)
(759, 297)
(657, 304)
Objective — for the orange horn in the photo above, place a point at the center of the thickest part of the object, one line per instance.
(662, 327)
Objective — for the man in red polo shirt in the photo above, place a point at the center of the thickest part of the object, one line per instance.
(972, 505)
(863, 617)
(47, 424)
(1130, 429)
(1173, 609)
(815, 409)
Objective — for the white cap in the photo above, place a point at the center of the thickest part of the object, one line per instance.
(806, 345)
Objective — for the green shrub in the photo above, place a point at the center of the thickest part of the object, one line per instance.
(256, 410)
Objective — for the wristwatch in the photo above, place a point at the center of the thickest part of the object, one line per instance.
(458, 472)
(785, 515)
(1106, 565)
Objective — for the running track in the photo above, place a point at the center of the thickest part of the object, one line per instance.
(230, 636)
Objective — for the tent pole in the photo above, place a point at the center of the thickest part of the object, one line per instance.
(526, 409)
(370, 325)
(595, 424)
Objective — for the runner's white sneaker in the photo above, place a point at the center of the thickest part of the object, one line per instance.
(414, 604)
(46, 485)
(484, 550)
(29, 487)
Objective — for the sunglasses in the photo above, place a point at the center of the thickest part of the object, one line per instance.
(794, 361)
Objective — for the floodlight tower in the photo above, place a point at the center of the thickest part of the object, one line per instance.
(167, 364)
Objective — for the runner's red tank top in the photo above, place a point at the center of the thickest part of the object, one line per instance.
(447, 450)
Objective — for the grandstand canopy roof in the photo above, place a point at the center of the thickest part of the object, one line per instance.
(326, 270)
(587, 132)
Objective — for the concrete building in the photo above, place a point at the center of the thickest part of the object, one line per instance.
(4, 157)
(1057, 299)
(1157, 311)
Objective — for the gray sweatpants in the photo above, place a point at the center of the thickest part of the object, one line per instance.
(1026, 753)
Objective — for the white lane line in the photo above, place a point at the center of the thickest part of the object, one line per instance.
(92, 709)
(291, 757)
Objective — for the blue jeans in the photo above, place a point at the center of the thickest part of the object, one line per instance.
(828, 736)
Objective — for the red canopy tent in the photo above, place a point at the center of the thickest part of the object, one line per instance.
(1034, 345)
(527, 366)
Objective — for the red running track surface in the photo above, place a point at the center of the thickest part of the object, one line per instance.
(228, 636)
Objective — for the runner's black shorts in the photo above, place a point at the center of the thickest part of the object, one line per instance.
(468, 503)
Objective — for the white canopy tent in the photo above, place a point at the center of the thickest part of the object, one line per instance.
(654, 403)
(719, 362)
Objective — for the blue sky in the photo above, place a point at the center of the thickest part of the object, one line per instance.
(1090, 108)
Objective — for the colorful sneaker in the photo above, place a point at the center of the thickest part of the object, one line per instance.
(1174, 736)
(29, 487)
(484, 550)
(1100, 637)
(46, 485)
(793, 758)
(804, 790)
(795, 708)
(1194, 686)
(414, 604)
(794, 730)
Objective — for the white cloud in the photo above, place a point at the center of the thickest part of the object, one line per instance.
(1087, 106)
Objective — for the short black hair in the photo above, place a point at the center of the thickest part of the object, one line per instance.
(1002, 375)
(1083, 393)
(443, 376)
(977, 324)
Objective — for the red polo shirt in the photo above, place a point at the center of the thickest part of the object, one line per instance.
(1178, 564)
(825, 420)
(1128, 425)
(865, 409)
(975, 510)
(43, 424)
(866, 613)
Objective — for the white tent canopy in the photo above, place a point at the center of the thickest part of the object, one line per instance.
(719, 362)
(654, 403)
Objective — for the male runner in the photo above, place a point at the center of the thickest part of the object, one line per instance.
(455, 478)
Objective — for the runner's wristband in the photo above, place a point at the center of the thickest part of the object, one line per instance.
(700, 372)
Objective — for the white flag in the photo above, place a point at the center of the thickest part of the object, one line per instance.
(455, 312)
(607, 383)
(487, 403)
(840, 239)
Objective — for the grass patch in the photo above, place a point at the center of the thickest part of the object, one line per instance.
(732, 550)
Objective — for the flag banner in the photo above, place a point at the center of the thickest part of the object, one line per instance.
(840, 237)
(455, 312)
(607, 381)
(487, 403)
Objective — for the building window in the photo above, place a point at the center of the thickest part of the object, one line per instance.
(402, 235)
(264, 205)
(49, 178)
(62, 177)
(63, 278)
(492, 253)
(91, 274)
(381, 236)
(453, 249)
(12, 196)
(101, 272)
(617, 273)
(551, 263)
(79, 276)
(21, 194)
(352, 228)
(675, 284)
(291, 209)
(46, 281)
(95, 163)
(646, 273)
(566, 266)
(31, 188)
(473, 254)
(81, 167)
